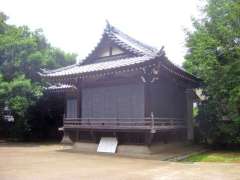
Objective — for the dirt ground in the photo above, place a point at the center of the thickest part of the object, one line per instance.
(45, 162)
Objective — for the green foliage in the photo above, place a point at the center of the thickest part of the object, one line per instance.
(195, 112)
(215, 156)
(22, 54)
(214, 55)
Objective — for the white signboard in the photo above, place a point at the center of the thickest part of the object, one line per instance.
(107, 145)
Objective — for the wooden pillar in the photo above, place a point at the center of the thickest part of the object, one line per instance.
(78, 96)
(79, 103)
(189, 114)
(148, 109)
(93, 136)
(147, 99)
(149, 138)
(77, 135)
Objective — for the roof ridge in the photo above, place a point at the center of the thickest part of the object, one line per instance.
(135, 40)
(124, 41)
(112, 30)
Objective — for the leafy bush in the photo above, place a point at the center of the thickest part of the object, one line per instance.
(214, 55)
(22, 54)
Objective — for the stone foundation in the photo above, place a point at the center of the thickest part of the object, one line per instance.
(66, 139)
(137, 150)
(85, 147)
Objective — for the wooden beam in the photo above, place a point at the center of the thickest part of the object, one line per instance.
(147, 100)
(149, 138)
(79, 94)
(77, 135)
(189, 114)
(93, 136)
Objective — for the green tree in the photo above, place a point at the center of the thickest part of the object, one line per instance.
(214, 55)
(22, 54)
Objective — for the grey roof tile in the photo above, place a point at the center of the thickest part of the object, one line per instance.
(88, 68)
(60, 87)
(124, 41)
(141, 51)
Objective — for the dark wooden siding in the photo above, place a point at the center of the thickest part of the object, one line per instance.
(168, 99)
(123, 101)
(71, 111)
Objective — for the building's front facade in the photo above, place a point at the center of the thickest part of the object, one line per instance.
(125, 89)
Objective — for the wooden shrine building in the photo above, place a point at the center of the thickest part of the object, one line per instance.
(125, 89)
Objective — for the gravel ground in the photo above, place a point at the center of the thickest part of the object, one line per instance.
(55, 162)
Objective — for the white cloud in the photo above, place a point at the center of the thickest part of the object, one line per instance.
(76, 25)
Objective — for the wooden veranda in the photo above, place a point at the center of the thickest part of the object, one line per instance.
(122, 79)
(124, 124)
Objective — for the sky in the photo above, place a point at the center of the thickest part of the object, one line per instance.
(76, 26)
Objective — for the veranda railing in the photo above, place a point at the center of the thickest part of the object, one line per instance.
(150, 123)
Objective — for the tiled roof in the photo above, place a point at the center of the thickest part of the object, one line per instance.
(88, 68)
(59, 87)
(129, 43)
(141, 54)
(125, 42)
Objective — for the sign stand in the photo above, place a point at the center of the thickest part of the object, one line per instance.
(108, 145)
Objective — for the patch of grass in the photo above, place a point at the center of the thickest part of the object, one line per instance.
(215, 156)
